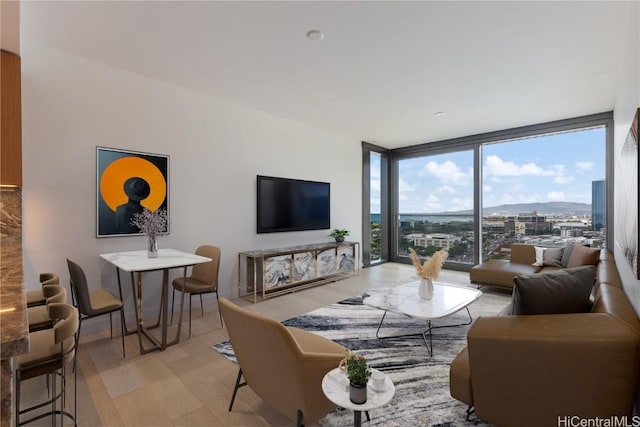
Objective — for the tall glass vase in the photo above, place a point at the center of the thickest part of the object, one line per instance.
(152, 247)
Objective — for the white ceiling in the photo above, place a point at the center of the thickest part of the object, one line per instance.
(383, 68)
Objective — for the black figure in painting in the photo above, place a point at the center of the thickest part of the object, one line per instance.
(137, 189)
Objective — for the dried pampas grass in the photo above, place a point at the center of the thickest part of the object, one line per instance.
(431, 267)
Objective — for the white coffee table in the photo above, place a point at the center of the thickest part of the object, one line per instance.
(335, 386)
(447, 300)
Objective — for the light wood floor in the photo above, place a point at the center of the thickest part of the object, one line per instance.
(190, 383)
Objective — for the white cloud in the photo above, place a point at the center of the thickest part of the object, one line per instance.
(563, 179)
(486, 188)
(584, 166)
(495, 166)
(445, 189)
(556, 195)
(448, 171)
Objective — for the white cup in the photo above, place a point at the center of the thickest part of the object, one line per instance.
(377, 380)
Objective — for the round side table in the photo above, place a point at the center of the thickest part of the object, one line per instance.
(335, 386)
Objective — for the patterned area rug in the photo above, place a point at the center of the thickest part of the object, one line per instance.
(422, 382)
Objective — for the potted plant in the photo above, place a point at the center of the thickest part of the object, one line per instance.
(358, 373)
(339, 234)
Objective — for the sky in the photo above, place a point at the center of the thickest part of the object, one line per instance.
(558, 167)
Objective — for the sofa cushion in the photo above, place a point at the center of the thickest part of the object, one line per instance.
(558, 292)
(548, 257)
(566, 254)
(582, 255)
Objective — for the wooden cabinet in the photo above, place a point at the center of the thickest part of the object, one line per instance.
(10, 120)
(268, 273)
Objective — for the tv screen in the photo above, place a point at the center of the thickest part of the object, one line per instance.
(292, 205)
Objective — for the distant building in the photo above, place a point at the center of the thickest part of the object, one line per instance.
(527, 224)
(439, 240)
(598, 204)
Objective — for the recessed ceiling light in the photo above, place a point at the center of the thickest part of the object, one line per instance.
(439, 113)
(315, 35)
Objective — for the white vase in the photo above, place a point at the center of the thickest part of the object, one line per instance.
(152, 247)
(425, 291)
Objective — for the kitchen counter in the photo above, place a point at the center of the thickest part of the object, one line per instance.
(14, 327)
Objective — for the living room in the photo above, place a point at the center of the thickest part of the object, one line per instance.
(79, 92)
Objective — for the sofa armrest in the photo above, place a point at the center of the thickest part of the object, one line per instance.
(530, 370)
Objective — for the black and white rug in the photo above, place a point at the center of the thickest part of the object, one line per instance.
(422, 382)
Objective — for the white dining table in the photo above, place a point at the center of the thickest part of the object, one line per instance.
(137, 263)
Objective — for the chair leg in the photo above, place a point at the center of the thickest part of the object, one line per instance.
(201, 306)
(219, 312)
(17, 391)
(299, 420)
(122, 330)
(190, 298)
(235, 389)
(53, 400)
(173, 300)
(470, 410)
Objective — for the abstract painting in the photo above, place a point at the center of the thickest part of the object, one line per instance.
(627, 206)
(126, 183)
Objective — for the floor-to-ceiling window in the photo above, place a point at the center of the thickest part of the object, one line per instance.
(435, 205)
(546, 190)
(375, 210)
(547, 184)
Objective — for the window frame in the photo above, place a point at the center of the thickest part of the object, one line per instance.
(476, 143)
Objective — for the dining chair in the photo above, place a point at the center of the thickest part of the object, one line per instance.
(283, 365)
(203, 280)
(38, 316)
(36, 297)
(94, 303)
(50, 352)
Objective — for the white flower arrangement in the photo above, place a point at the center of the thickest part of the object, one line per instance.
(431, 267)
(151, 223)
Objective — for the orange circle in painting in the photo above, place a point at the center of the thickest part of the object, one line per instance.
(114, 176)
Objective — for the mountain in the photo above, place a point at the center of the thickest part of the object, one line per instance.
(548, 208)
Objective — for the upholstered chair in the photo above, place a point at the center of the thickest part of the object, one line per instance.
(203, 279)
(94, 303)
(51, 351)
(38, 316)
(36, 297)
(283, 365)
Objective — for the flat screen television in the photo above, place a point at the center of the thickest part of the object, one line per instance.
(292, 205)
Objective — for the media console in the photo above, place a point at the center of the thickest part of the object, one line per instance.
(271, 272)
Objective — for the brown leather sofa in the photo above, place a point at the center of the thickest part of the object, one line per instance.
(534, 370)
(501, 272)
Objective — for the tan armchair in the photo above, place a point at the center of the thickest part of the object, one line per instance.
(283, 365)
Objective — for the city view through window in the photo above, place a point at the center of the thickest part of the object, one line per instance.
(546, 190)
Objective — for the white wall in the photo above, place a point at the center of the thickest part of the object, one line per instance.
(71, 105)
(627, 101)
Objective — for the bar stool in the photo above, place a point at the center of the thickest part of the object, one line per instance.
(51, 351)
(38, 316)
(36, 297)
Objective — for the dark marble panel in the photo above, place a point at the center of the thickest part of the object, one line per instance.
(14, 332)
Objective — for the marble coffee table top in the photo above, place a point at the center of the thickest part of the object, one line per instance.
(403, 299)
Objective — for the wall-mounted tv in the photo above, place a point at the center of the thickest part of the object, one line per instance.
(292, 205)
